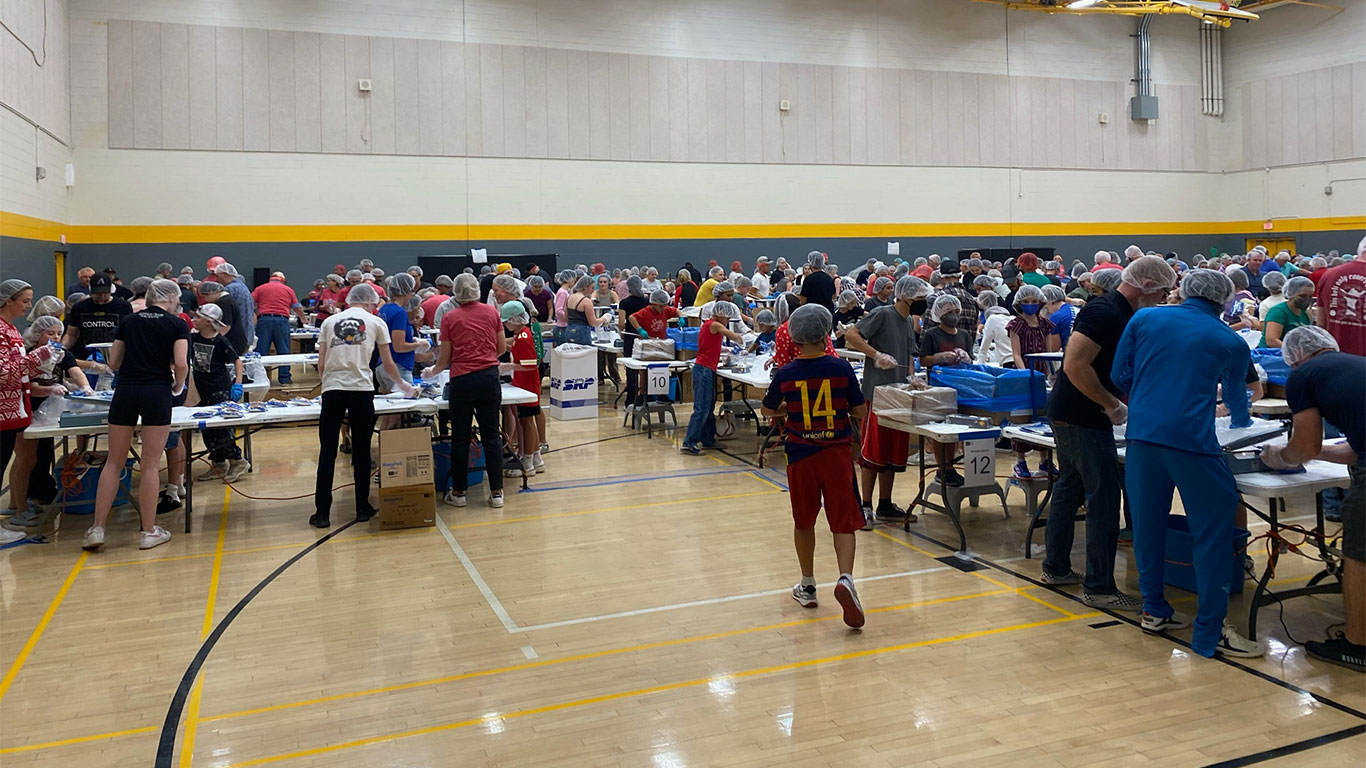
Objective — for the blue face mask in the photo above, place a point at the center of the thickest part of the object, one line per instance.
(1030, 309)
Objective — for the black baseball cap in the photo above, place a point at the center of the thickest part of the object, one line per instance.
(1010, 272)
(100, 283)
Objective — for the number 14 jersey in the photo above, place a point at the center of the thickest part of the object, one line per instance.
(817, 394)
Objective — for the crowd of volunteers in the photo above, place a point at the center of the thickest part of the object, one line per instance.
(179, 337)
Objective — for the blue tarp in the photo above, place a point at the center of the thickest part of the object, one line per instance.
(998, 390)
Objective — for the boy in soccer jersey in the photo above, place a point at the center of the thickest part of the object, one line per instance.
(818, 395)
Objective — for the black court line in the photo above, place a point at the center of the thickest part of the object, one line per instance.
(1135, 622)
(1104, 624)
(169, 729)
(1290, 749)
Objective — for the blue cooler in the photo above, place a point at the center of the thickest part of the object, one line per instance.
(80, 497)
(441, 463)
(1179, 568)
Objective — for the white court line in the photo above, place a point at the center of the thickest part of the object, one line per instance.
(478, 580)
(714, 601)
(529, 652)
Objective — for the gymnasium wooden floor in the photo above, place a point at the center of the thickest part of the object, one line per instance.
(632, 610)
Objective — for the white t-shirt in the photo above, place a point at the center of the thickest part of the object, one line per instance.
(1268, 303)
(350, 338)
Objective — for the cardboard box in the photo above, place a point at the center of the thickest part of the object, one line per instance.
(405, 457)
(411, 506)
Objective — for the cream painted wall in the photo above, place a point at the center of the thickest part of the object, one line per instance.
(35, 109)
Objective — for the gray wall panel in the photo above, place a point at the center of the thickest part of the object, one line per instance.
(638, 97)
(599, 106)
(474, 110)
(406, 113)
(789, 135)
(716, 111)
(382, 99)
(175, 86)
(735, 112)
(661, 95)
(255, 89)
(357, 103)
(514, 101)
(228, 90)
(431, 109)
(453, 98)
(824, 116)
(804, 107)
(203, 86)
(146, 85)
(491, 97)
(332, 95)
(307, 92)
(120, 64)
(535, 102)
(557, 90)
(872, 81)
(576, 69)
(772, 119)
(282, 95)
(619, 106)
(695, 83)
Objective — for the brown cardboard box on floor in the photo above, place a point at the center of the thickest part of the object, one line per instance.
(405, 457)
(409, 506)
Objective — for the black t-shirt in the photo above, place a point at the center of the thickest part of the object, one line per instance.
(121, 292)
(485, 286)
(862, 278)
(936, 340)
(209, 359)
(189, 302)
(232, 317)
(1009, 305)
(1334, 383)
(819, 288)
(149, 339)
(849, 316)
(629, 305)
(96, 323)
(1103, 321)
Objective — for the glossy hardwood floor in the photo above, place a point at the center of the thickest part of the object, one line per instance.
(631, 610)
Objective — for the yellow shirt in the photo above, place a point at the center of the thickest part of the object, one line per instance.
(704, 293)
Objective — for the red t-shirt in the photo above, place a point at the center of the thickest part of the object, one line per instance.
(785, 350)
(274, 298)
(524, 351)
(473, 329)
(709, 345)
(1317, 275)
(1106, 265)
(346, 291)
(656, 321)
(430, 305)
(1342, 295)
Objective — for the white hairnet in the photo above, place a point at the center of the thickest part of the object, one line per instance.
(766, 317)
(1149, 274)
(910, 288)
(139, 285)
(1296, 284)
(1206, 284)
(46, 305)
(724, 309)
(1109, 279)
(1052, 293)
(848, 297)
(881, 284)
(988, 299)
(11, 288)
(944, 304)
(659, 297)
(364, 293)
(163, 290)
(723, 287)
(333, 277)
(635, 286)
(815, 259)
(1239, 278)
(401, 284)
(1273, 282)
(1026, 293)
(1305, 342)
(584, 281)
(355, 273)
(40, 325)
(810, 324)
(465, 289)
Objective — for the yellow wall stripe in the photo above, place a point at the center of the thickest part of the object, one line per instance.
(15, 225)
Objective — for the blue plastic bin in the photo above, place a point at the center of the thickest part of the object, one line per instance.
(80, 498)
(441, 464)
(684, 338)
(1179, 570)
(1277, 371)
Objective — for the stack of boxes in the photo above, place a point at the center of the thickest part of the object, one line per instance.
(407, 493)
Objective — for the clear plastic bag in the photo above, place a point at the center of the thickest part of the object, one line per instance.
(50, 412)
(913, 404)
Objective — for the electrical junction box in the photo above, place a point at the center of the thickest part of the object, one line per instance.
(1143, 108)
(363, 84)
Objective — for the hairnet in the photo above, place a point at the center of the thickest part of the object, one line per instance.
(1296, 284)
(514, 310)
(765, 317)
(659, 297)
(367, 263)
(535, 281)
(1027, 293)
(1109, 279)
(810, 324)
(1239, 278)
(943, 304)
(910, 288)
(364, 293)
(164, 266)
(1305, 341)
(881, 284)
(465, 289)
(743, 282)
(354, 274)
(723, 287)
(508, 283)
(225, 269)
(443, 281)
(786, 303)
(815, 259)
(40, 325)
(984, 283)
(333, 277)
(848, 297)
(584, 281)
(209, 288)
(1052, 293)
(414, 268)
(401, 284)
(46, 305)
(189, 280)
(1207, 284)
(684, 275)
(162, 290)
(1149, 274)
(635, 286)
(11, 288)
(902, 270)
(725, 309)
(716, 271)
(988, 299)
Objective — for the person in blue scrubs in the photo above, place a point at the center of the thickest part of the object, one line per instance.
(1171, 361)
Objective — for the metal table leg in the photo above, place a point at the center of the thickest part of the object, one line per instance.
(187, 439)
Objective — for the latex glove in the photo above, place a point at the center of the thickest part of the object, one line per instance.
(100, 368)
(644, 334)
(178, 391)
(235, 392)
(87, 392)
(407, 389)
(429, 372)
(423, 346)
(1220, 410)
(963, 356)
(504, 369)
(884, 361)
(1118, 414)
(56, 390)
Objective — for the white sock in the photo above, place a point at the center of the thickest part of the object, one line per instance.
(848, 576)
(808, 581)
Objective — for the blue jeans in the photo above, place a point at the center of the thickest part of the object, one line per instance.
(702, 423)
(1089, 470)
(273, 330)
(578, 334)
(1210, 496)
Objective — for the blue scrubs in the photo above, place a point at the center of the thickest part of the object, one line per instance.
(1170, 361)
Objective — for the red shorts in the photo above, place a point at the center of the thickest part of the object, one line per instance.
(884, 449)
(828, 475)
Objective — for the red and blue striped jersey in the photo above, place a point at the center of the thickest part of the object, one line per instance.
(817, 394)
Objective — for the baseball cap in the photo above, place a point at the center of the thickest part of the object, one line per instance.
(764, 260)
(100, 283)
(213, 313)
(950, 268)
(1010, 272)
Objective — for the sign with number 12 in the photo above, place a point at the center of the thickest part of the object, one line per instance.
(979, 463)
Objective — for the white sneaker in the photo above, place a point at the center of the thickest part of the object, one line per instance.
(496, 500)
(1155, 624)
(216, 471)
(94, 539)
(805, 596)
(155, 538)
(455, 499)
(848, 600)
(869, 519)
(538, 462)
(236, 469)
(9, 537)
(1233, 644)
(511, 472)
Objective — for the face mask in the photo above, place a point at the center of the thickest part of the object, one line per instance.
(949, 318)
(1030, 309)
(918, 306)
(1302, 303)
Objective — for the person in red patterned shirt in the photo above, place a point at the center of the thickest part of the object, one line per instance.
(1341, 295)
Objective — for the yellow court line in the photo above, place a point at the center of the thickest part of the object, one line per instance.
(646, 691)
(42, 625)
(192, 710)
(589, 656)
(80, 740)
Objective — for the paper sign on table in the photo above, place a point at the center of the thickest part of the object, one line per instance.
(979, 463)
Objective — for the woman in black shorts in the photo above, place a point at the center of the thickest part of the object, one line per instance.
(150, 353)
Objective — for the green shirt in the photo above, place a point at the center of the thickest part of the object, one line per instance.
(1288, 320)
(1036, 279)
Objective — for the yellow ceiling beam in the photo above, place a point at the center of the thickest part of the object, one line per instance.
(1208, 12)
